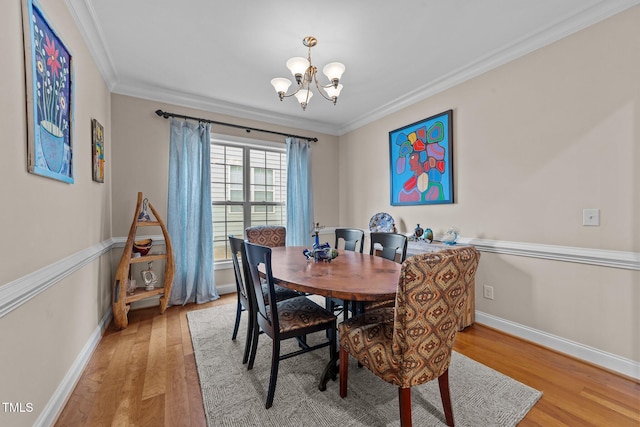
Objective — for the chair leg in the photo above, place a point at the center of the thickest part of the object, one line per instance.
(333, 333)
(275, 361)
(254, 344)
(443, 382)
(344, 371)
(247, 345)
(404, 397)
(238, 314)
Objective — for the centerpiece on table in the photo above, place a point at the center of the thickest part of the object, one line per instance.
(320, 252)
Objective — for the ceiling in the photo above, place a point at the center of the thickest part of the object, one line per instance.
(220, 56)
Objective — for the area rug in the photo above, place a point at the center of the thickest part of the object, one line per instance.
(234, 396)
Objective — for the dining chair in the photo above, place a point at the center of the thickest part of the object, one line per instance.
(246, 293)
(412, 343)
(282, 320)
(388, 246)
(391, 243)
(353, 241)
(351, 237)
(267, 235)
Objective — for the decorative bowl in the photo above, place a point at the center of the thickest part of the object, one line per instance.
(142, 246)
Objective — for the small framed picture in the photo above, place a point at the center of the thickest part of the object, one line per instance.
(97, 143)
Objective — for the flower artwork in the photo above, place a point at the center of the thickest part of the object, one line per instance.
(422, 162)
(49, 98)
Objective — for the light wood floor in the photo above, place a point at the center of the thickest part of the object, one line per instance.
(146, 375)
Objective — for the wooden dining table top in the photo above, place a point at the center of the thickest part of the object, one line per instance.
(351, 276)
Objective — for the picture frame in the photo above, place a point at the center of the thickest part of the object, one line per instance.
(97, 150)
(421, 157)
(49, 93)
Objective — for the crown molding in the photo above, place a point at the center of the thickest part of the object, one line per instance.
(85, 18)
(520, 47)
(203, 103)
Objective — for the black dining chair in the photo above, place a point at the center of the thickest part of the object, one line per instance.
(282, 320)
(387, 245)
(247, 295)
(351, 238)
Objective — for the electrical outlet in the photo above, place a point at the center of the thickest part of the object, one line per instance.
(488, 292)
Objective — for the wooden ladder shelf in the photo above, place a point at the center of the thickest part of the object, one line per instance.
(121, 300)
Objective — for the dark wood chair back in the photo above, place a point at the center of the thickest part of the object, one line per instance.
(246, 294)
(391, 243)
(351, 237)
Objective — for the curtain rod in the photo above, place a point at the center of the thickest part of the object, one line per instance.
(166, 115)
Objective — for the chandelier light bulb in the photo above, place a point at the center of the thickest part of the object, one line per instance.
(304, 96)
(297, 65)
(333, 71)
(332, 91)
(281, 85)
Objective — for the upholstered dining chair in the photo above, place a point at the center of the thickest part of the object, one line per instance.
(247, 295)
(282, 320)
(412, 343)
(267, 235)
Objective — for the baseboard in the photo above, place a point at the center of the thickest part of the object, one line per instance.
(588, 354)
(58, 400)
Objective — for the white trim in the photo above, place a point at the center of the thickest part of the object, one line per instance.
(19, 291)
(599, 257)
(56, 403)
(85, 18)
(600, 358)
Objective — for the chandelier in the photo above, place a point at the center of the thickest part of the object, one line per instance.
(305, 73)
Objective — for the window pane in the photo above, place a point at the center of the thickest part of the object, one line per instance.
(262, 198)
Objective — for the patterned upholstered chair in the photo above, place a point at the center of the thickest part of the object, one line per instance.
(291, 318)
(412, 344)
(246, 294)
(267, 235)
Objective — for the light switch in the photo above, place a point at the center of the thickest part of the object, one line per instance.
(591, 217)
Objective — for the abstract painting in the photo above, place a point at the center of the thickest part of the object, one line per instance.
(97, 145)
(49, 97)
(422, 162)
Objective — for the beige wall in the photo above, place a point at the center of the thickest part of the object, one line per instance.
(43, 221)
(535, 142)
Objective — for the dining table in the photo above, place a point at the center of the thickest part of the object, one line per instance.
(352, 277)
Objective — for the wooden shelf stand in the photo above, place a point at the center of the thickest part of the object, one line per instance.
(121, 300)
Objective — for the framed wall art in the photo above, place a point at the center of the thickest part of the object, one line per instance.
(48, 68)
(422, 162)
(97, 145)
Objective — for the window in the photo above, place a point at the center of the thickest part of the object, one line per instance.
(248, 187)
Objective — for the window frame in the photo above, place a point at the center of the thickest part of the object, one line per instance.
(247, 144)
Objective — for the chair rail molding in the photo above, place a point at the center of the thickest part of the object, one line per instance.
(19, 291)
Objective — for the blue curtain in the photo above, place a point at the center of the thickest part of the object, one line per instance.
(299, 193)
(189, 212)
